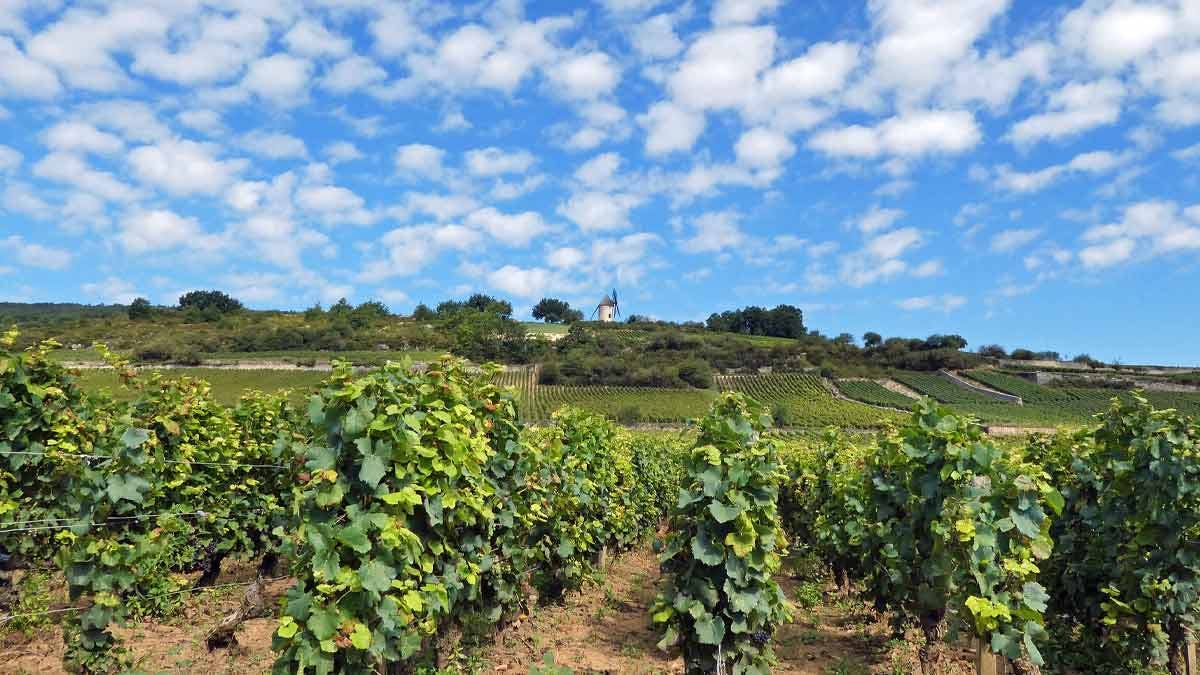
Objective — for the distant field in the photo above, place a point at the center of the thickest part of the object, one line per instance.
(869, 391)
(808, 401)
(535, 327)
(360, 357)
(227, 385)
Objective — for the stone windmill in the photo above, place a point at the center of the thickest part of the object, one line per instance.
(608, 309)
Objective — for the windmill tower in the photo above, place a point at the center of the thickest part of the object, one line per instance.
(608, 309)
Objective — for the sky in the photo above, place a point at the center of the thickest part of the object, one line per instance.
(1019, 172)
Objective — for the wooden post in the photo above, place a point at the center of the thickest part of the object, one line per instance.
(986, 661)
(1189, 659)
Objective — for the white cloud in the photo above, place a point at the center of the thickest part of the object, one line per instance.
(81, 43)
(183, 167)
(910, 134)
(670, 128)
(23, 77)
(1188, 153)
(495, 161)
(566, 257)
(111, 290)
(721, 68)
(1012, 239)
(280, 78)
(922, 40)
(35, 255)
(1095, 162)
(1071, 110)
(160, 230)
(763, 148)
(71, 169)
(512, 229)
(599, 211)
(21, 198)
(1113, 36)
(351, 74)
(941, 303)
(216, 50)
(206, 121)
(929, 268)
(877, 218)
(742, 11)
(420, 160)
(598, 171)
(9, 159)
(655, 38)
(441, 207)
(81, 137)
(312, 39)
(713, 232)
(134, 120)
(342, 151)
(274, 145)
(522, 282)
(1147, 229)
(586, 76)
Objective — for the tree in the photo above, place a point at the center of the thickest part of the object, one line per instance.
(139, 309)
(486, 303)
(422, 313)
(205, 300)
(871, 339)
(845, 339)
(313, 313)
(993, 351)
(553, 310)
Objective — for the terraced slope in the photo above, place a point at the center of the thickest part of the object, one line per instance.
(808, 400)
(941, 389)
(870, 391)
(643, 404)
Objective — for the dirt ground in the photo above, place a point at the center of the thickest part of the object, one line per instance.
(603, 629)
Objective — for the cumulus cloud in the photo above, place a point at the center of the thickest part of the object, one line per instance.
(941, 303)
(23, 77)
(763, 148)
(908, 135)
(162, 230)
(714, 232)
(1071, 110)
(420, 160)
(81, 137)
(274, 145)
(280, 79)
(32, 254)
(495, 161)
(586, 76)
(73, 170)
(517, 229)
(670, 128)
(877, 218)
(183, 167)
(1012, 239)
(1147, 229)
(599, 211)
(1094, 162)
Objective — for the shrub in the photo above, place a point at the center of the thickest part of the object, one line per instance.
(696, 373)
(724, 546)
(629, 414)
(781, 414)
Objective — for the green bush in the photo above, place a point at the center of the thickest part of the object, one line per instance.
(721, 604)
(629, 414)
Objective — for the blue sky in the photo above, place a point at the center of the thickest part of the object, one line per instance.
(1019, 172)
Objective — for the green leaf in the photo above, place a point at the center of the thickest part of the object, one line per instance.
(323, 622)
(376, 576)
(127, 487)
(706, 550)
(372, 470)
(710, 629)
(723, 513)
(1055, 501)
(287, 627)
(1034, 596)
(1025, 524)
(669, 638)
(132, 438)
(356, 421)
(353, 537)
(360, 637)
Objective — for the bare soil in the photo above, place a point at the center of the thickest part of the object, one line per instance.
(603, 629)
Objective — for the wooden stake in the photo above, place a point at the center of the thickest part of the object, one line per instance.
(986, 661)
(1189, 659)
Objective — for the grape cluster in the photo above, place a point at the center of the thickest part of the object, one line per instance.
(760, 637)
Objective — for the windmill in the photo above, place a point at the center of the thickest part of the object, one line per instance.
(608, 309)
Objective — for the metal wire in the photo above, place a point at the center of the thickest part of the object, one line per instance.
(10, 617)
(166, 461)
(83, 521)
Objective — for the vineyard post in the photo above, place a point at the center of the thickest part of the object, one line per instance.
(987, 662)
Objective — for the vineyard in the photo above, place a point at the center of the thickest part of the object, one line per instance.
(869, 391)
(405, 514)
(807, 400)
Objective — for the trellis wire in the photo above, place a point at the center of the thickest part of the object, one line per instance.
(82, 521)
(162, 460)
(10, 617)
